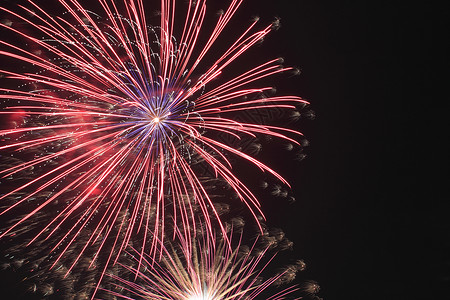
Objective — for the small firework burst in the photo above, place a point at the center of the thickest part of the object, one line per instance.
(206, 270)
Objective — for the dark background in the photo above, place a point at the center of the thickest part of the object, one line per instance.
(370, 219)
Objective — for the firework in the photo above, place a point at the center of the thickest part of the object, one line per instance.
(119, 115)
(206, 270)
(32, 269)
(38, 276)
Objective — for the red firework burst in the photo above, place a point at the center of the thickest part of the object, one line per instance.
(120, 114)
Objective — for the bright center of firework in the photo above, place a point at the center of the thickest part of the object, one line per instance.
(199, 297)
(156, 120)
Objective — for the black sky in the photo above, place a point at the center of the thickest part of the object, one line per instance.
(370, 217)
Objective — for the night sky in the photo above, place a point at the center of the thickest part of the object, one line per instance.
(369, 218)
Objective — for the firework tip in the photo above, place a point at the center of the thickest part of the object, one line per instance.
(237, 223)
(276, 24)
(7, 22)
(264, 184)
(289, 146)
(304, 143)
(301, 265)
(296, 71)
(309, 114)
(311, 287)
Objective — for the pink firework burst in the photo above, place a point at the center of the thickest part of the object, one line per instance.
(119, 114)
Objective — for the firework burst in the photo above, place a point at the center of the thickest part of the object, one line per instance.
(118, 112)
(205, 270)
